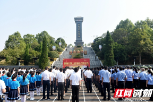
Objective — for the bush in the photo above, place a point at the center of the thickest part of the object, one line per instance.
(78, 56)
(59, 49)
(48, 63)
(53, 54)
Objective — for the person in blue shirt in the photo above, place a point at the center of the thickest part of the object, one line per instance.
(149, 83)
(143, 78)
(7, 82)
(3, 77)
(120, 79)
(100, 80)
(114, 79)
(24, 87)
(32, 86)
(106, 82)
(136, 78)
(129, 80)
(19, 77)
(38, 82)
(28, 76)
(14, 89)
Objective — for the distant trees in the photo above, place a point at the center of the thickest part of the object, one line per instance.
(29, 47)
(130, 40)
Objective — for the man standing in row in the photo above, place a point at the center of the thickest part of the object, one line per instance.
(46, 82)
(89, 78)
(106, 81)
(60, 79)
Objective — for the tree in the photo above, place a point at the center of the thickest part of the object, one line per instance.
(139, 39)
(59, 49)
(62, 41)
(43, 61)
(15, 40)
(109, 55)
(53, 54)
(29, 38)
(26, 56)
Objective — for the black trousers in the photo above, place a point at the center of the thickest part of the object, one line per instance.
(136, 82)
(142, 84)
(151, 87)
(66, 87)
(46, 84)
(121, 85)
(55, 87)
(75, 93)
(129, 84)
(89, 84)
(52, 84)
(60, 90)
(114, 86)
(106, 85)
(1, 98)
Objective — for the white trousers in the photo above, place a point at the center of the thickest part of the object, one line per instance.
(6, 96)
(23, 98)
(38, 91)
(31, 94)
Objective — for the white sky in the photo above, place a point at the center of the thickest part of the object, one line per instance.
(57, 17)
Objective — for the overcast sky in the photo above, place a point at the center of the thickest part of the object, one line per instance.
(57, 17)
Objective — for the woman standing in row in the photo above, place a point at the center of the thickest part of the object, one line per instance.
(13, 89)
(24, 87)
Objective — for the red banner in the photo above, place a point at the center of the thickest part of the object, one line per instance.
(76, 62)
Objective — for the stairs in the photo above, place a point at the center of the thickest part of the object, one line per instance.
(94, 61)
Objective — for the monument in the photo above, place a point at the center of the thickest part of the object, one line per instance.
(78, 21)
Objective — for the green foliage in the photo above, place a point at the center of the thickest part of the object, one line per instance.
(62, 41)
(78, 56)
(59, 49)
(109, 55)
(26, 56)
(43, 61)
(53, 54)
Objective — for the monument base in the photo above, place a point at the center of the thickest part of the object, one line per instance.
(78, 43)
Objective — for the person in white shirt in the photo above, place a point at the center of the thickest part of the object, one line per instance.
(60, 79)
(2, 88)
(89, 78)
(75, 82)
(52, 80)
(46, 81)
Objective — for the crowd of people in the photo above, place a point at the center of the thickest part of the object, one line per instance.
(16, 84)
(122, 77)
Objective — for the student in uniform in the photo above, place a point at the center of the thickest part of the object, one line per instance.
(2, 89)
(7, 82)
(19, 77)
(32, 86)
(24, 88)
(60, 79)
(130, 76)
(3, 77)
(38, 82)
(75, 82)
(14, 90)
(149, 83)
(106, 82)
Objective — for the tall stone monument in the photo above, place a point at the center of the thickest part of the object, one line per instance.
(78, 21)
